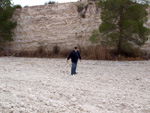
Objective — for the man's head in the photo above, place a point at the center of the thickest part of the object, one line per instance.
(75, 49)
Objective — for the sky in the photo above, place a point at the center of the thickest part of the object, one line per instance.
(37, 2)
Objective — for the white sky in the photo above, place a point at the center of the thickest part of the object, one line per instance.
(37, 2)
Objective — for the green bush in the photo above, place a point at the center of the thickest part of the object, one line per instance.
(26, 6)
(51, 2)
(6, 23)
(90, 3)
(131, 51)
(94, 38)
(80, 7)
(56, 49)
(18, 6)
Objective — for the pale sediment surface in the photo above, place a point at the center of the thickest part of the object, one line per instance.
(32, 85)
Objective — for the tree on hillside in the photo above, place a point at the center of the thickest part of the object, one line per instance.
(122, 24)
(51, 2)
(6, 24)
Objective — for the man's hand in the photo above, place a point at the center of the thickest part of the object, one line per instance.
(67, 62)
(80, 60)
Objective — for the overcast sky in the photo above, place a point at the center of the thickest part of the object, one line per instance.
(37, 2)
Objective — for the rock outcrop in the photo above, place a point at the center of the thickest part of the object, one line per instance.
(55, 25)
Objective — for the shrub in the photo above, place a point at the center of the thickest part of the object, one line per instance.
(26, 6)
(130, 51)
(18, 6)
(146, 55)
(56, 50)
(90, 3)
(96, 52)
(40, 52)
(80, 7)
(51, 2)
(95, 37)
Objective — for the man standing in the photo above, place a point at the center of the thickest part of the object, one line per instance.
(74, 55)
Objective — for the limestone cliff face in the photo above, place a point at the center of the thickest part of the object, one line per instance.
(56, 24)
(51, 25)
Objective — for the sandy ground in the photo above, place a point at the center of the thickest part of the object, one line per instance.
(45, 86)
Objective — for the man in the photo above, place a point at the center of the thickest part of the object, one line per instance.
(74, 55)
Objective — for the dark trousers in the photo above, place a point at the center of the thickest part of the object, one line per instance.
(73, 68)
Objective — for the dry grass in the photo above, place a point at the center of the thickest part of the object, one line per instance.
(91, 52)
(39, 53)
(95, 53)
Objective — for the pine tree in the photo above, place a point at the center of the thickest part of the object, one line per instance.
(6, 24)
(122, 24)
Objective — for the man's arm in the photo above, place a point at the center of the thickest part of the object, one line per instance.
(79, 55)
(69, 56)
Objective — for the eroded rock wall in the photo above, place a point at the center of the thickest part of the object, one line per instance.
(51, 25)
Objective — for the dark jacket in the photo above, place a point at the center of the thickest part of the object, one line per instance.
(74, 56)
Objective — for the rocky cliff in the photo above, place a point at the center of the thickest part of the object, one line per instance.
(55, 25)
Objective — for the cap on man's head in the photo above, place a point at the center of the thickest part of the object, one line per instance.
(75, 47)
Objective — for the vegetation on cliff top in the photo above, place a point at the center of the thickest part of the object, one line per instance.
(82, 8)
(51, 2)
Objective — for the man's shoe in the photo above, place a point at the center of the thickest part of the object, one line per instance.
(76, 73)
